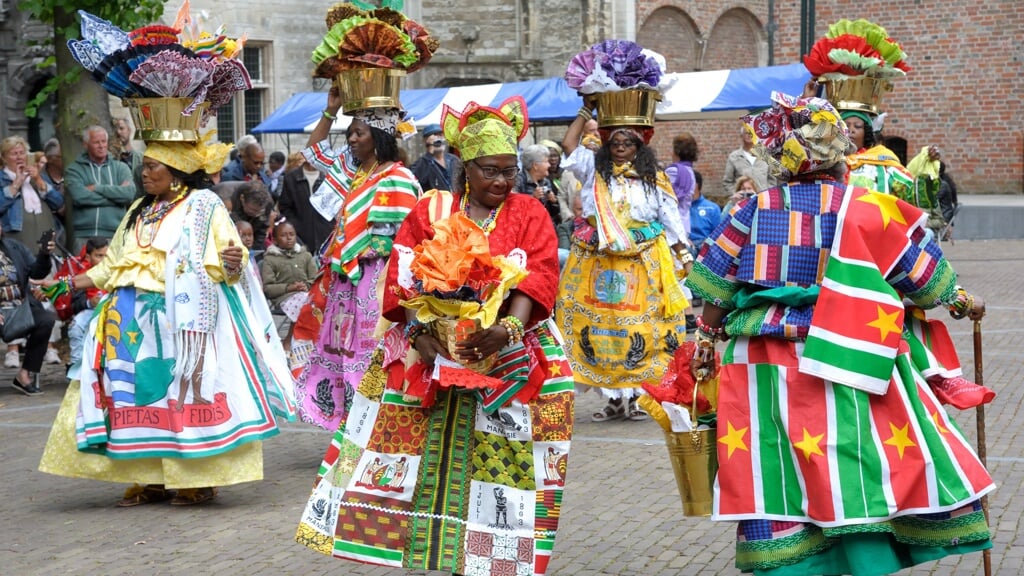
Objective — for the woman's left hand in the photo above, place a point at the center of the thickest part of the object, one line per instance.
(231, 257)
(482, 344)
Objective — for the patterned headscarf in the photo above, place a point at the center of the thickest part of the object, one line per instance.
(385, 119)
(799, 135)
(188, 157)
(484, 131)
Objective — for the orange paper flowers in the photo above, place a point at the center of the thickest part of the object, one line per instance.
(456, 257)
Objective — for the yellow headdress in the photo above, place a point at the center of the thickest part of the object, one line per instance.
(188, 157)
(484, 131)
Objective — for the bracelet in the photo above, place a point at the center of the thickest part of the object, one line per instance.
(414, 330)
(328, 115)
(71, 282)
(706, 329)
(585, 113)
(684, 256)
(963, 304)
(514, 327)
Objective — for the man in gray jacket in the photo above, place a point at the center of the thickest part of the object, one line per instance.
(742, 162)
(100, 187)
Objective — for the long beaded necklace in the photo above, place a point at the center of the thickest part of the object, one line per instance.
(152, 217)
(487, 224)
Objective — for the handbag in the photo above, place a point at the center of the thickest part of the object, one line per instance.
(18, 321)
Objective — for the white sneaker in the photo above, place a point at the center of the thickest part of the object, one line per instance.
(12, 360)
(51, 356)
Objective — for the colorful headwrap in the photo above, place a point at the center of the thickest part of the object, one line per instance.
(864, 116)
(484, 131)
(799, 135)
(188, 157)
(640, 134)
(385, 119)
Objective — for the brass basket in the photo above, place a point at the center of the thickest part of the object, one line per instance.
(861, 93)
(452, 331)
(633, 107)
(161, 119)
(694, 462)
(369, 88)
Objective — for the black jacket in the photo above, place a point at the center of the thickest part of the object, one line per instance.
(28, 266)
(432, 176)
(312, 229)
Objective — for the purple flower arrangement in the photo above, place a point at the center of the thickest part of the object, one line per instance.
(614, 65)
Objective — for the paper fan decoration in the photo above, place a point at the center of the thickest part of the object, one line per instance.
(856, 48)
(614, 65)
(361, 36)
(158, 61)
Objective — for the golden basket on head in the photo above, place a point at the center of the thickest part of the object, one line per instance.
(634, 107)
(452, 331)
(161, 119)
(369, 88)
(861, 93)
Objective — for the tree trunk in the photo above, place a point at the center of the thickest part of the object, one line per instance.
(79, 105)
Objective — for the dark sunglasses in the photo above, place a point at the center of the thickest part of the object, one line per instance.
(437, 144)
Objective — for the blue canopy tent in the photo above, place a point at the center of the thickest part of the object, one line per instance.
(693, 95)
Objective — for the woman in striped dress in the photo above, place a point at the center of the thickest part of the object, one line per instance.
(835, 455)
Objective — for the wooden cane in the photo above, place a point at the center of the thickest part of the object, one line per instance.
(979, 379)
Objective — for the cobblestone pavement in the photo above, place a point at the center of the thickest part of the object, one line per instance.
(621, 513)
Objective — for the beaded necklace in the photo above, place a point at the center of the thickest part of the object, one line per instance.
(361, 176)
(487, 224)
(152, 217)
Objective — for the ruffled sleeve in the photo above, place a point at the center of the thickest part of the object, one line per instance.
(581, 165)
(415, 228)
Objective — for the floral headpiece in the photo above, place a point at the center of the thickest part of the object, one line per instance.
(614, 65)
(856, 48)
(484, 131)
(799, 135)
(163, 61)
(363, 36)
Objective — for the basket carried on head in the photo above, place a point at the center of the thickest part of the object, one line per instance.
(694, 458)
(452, 331)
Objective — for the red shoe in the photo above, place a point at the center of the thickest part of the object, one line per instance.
(959, 392)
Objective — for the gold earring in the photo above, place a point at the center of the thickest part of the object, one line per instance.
(467, 186)
(177, 187)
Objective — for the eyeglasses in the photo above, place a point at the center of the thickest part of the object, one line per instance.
(437, 144)
(492, 172)
(622, 144)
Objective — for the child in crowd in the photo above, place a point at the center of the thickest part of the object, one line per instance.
(83, 302)
(288, 272)
(246, 235)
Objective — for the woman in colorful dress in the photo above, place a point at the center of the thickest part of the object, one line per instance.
(835, 457)
(621, 305)
(371, 193)
(182, 374)
(469, 480)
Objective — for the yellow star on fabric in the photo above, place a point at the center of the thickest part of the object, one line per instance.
(938, 423)
(809, 445)
(886, 205)
(734, 439)
(900, 438)
(383, 199)
(886, 323)
(132, 337)
(556, 370)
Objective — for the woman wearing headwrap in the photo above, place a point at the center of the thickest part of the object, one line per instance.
(835, 457)
(621, 304)
(181, 379)
(425, 450)
(370, 192)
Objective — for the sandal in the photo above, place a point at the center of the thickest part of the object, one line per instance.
(636, 414)
(149, 494)
(611, 411)
(190, 496)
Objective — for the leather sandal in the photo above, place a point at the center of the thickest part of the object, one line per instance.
(149, 494)
(611, 411)
(636, 414)
(190, 496)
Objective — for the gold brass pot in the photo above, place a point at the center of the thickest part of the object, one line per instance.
(634, 107)
(369, 88)
(860, 93)
(161, 119)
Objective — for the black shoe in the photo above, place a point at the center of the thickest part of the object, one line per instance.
(691, 324)
(30, 389)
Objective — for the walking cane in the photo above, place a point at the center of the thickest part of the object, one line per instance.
(979, 378)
